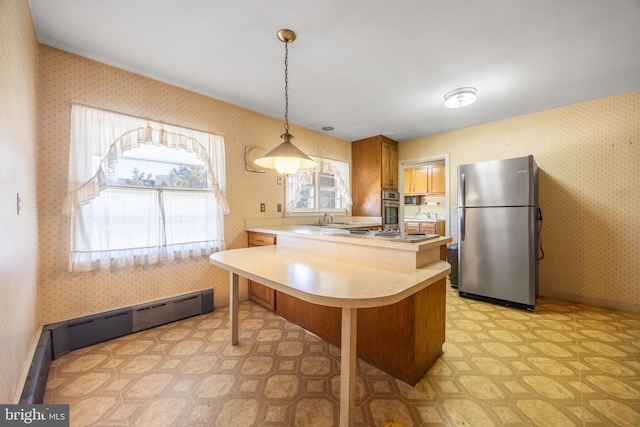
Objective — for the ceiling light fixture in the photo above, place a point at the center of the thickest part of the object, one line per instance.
(286, 158)
(460, 97)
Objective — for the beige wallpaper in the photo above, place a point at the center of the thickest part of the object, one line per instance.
(65, 78)
(588, 155)
(19, 329)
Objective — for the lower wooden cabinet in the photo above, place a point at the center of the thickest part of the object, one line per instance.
(424, 227)
(258, 293)
(411, 227)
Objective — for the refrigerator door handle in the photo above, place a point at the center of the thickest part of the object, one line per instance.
(461, 206)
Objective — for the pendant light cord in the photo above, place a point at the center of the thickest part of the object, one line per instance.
(286, 87)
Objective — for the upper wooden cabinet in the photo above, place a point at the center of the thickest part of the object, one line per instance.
(389, 164)
(375, 168)
(436, 179)
(429, 180)
(416, 181)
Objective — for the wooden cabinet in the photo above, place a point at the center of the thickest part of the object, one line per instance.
(416, 181)
(432, 228)
(374, 168)
(411, 227)
(428, 227)
(436, 179)
(258, 293)
(425, 180)
(389, 164)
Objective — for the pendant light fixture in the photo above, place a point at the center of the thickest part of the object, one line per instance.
(286, 158)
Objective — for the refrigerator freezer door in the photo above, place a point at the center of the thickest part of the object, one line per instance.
(508, 182)
(497, 257)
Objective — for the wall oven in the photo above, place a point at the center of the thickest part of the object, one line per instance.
(390, 210)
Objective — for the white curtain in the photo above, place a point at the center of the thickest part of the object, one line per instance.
(341, 171)
(306, 177)
(116, 226)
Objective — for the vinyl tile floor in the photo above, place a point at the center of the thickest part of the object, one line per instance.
(564, 364)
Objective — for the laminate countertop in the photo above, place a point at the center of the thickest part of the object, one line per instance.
(320, 279)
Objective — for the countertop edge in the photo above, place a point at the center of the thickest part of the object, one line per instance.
(322, 233)
(422, 277)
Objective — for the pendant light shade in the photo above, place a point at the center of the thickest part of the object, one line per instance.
(286, 158)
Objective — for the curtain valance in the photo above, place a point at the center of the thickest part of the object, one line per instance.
(99, 138)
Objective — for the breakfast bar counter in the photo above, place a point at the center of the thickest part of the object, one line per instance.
(337, 243)
(352, 285)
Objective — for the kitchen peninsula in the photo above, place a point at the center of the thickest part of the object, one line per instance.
(389, 294)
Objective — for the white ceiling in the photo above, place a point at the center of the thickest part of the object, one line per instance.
(365, 67)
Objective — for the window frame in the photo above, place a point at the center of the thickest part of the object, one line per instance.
(342, 184)
(100, 138)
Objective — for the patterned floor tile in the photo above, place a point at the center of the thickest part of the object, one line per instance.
(563, 364)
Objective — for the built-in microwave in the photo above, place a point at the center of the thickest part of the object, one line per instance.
(412, 200)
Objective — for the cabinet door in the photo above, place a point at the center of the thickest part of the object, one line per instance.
(412, 227)
(366, 182)
(407, 181)
(259, 293)
(436, 179)
(428, 227)
(420, 180)
(389, 165)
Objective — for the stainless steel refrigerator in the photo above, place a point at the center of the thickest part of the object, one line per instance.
(498, 231)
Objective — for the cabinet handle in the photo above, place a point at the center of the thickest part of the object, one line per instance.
(260, 240)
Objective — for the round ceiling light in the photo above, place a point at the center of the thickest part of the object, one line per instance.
(460, 97)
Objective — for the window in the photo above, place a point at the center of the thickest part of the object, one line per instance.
(142, 192)
(158, 167)
(323, 189)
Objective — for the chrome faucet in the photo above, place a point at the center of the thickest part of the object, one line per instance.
(325, 217)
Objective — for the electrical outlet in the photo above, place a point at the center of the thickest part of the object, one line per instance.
(279, 207)
(262, 208)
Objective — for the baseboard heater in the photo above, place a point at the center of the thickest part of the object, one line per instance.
(84, 331)
(36, 383)
(60, 338)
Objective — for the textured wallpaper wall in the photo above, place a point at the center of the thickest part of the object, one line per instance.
(18, 233)
(65, 78)
(588, 155)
